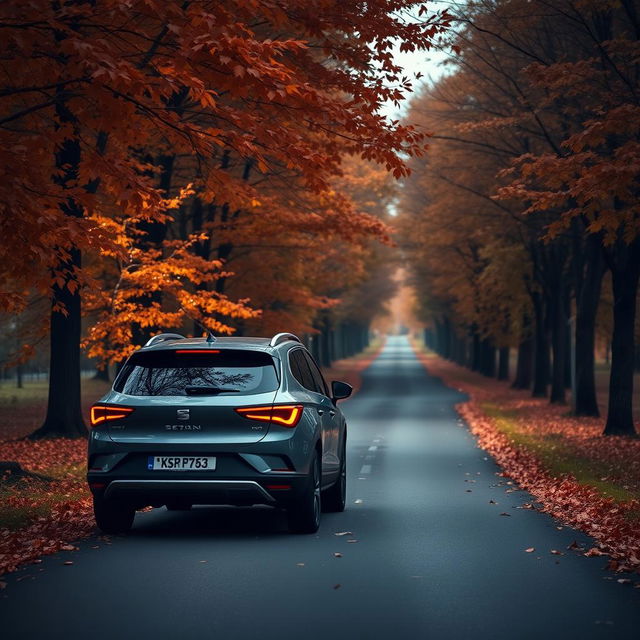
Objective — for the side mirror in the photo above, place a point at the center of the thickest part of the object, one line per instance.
(340, 390)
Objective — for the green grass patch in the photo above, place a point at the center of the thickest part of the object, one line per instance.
(38, 497)
(38, 391)
(10, 394)
(559, 458)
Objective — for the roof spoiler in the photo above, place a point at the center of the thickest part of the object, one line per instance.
(279, 338)
(163, 337)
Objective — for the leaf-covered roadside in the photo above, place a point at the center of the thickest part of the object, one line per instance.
(558, 459)
(39, 518)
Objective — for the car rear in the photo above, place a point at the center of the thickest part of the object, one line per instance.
(196, 425)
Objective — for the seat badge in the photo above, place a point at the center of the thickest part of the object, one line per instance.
(182, 414)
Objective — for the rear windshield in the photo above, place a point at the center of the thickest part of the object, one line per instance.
(181, 373)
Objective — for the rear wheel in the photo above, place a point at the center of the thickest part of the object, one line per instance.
(334, 498)
(304, 514)
(113, 516)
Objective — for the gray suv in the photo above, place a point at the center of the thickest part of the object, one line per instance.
(237, 421)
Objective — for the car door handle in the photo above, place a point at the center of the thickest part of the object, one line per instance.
(320, 412)
(332, 413)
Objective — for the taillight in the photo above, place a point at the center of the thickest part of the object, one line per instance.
(288, 415)
(189, 352)
(101, 413)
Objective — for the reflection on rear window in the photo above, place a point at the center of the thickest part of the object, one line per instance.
(225, 372)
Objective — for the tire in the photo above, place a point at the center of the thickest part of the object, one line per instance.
(112, 516)
(304, 514)
(334, 499)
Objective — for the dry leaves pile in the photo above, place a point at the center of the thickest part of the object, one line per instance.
(578, 505)
(61, 508)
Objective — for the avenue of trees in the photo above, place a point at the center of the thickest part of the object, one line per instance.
(217, 165)
(525, 213)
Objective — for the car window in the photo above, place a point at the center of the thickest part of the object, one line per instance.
(294, 365)
(300, 369)
(190, 372)
(316, 373)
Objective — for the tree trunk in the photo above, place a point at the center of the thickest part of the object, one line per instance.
(503, 363)
(586, 401)
(476, 358)
(558, 307)
(625, 271)
(64, 414)
(64, 409)
(541, 350)
(487, 358)
(524, 366)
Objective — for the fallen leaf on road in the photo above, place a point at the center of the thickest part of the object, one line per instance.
(68, 547)
(358, 501)
(337, 554)
(574, 545)
(555, 552)
(337, 586)
(300, 564)
(492, 502)
(623, 581)
(68, 562)
(530, 550)
(504, 513)
(352, 540)
(593, 552)
(202, 561)
(344, 533)
(468, 490)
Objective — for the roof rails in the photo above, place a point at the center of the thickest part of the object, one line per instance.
(163, 337)
(283, 337)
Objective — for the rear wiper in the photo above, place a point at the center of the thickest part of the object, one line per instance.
(204, 391)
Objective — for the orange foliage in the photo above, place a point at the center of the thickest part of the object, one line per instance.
(284, 85)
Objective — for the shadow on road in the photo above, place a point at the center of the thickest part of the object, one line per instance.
(211, 522)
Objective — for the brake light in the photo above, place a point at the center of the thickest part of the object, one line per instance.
(288, 415)
(101, 413)
(190, 351)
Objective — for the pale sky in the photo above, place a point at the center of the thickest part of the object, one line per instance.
(425, 62)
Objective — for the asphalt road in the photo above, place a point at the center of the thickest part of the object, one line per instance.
(429, 556)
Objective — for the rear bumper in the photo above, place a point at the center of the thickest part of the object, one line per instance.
(271, 490)
(193, 491)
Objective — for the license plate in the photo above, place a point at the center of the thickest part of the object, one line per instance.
(181, 463)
